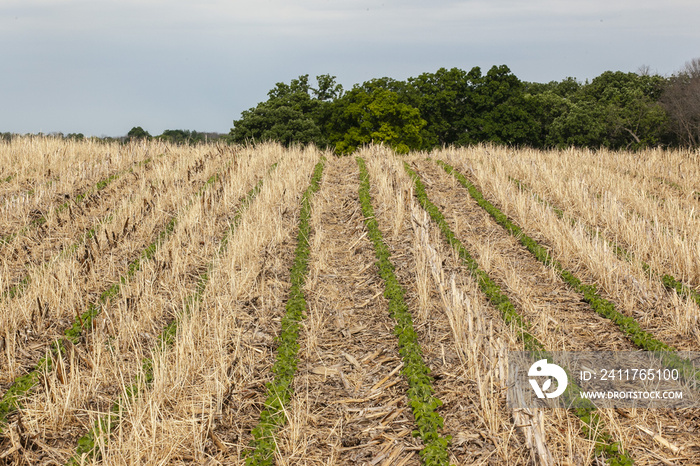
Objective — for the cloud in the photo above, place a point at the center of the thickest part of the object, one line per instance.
(392, 21)
(202, 62)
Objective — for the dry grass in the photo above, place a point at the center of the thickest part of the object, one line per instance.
(636, 293)
(350, 403)
(629, 287)
(656, 222)
(68, 282)
(202, 385)
(44, 170)
(65, 287)
(65, 227)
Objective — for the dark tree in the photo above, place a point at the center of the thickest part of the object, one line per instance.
(445, 101)
(681, 99)
(138, 133)
(293, 113)
(182, 136)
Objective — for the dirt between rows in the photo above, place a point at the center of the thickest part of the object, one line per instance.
(561, 320)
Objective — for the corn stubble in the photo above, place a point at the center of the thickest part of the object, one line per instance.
(39, 174)
(188, 275)
(58, 291)
(656, 315)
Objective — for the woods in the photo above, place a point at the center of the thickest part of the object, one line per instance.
(615, 110)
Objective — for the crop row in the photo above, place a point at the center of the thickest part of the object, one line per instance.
(55, 293)
(668, 280)
(279, 391)
(428, 422)
(420, 393)
(87, 445)
(72, 335)
(584, 410)
(628, 325)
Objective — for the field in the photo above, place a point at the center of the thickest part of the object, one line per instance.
(223, 304)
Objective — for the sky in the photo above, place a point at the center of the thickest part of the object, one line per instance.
(101, 67)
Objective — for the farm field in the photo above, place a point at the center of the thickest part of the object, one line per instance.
(217, 304)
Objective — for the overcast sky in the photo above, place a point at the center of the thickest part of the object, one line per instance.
(101, 67)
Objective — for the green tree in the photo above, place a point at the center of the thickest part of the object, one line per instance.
(615, 110)
(293, 113)
(444, 100)
(542, 110)
(138, 133)
(630, 106)
(499, 109)
(327, 89)
(182, 136)
(377, 116)
(581, 125)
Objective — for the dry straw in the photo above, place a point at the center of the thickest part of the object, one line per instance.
(219, 350)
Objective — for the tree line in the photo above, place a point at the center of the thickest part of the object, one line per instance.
(615, 110)
(176, 136)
